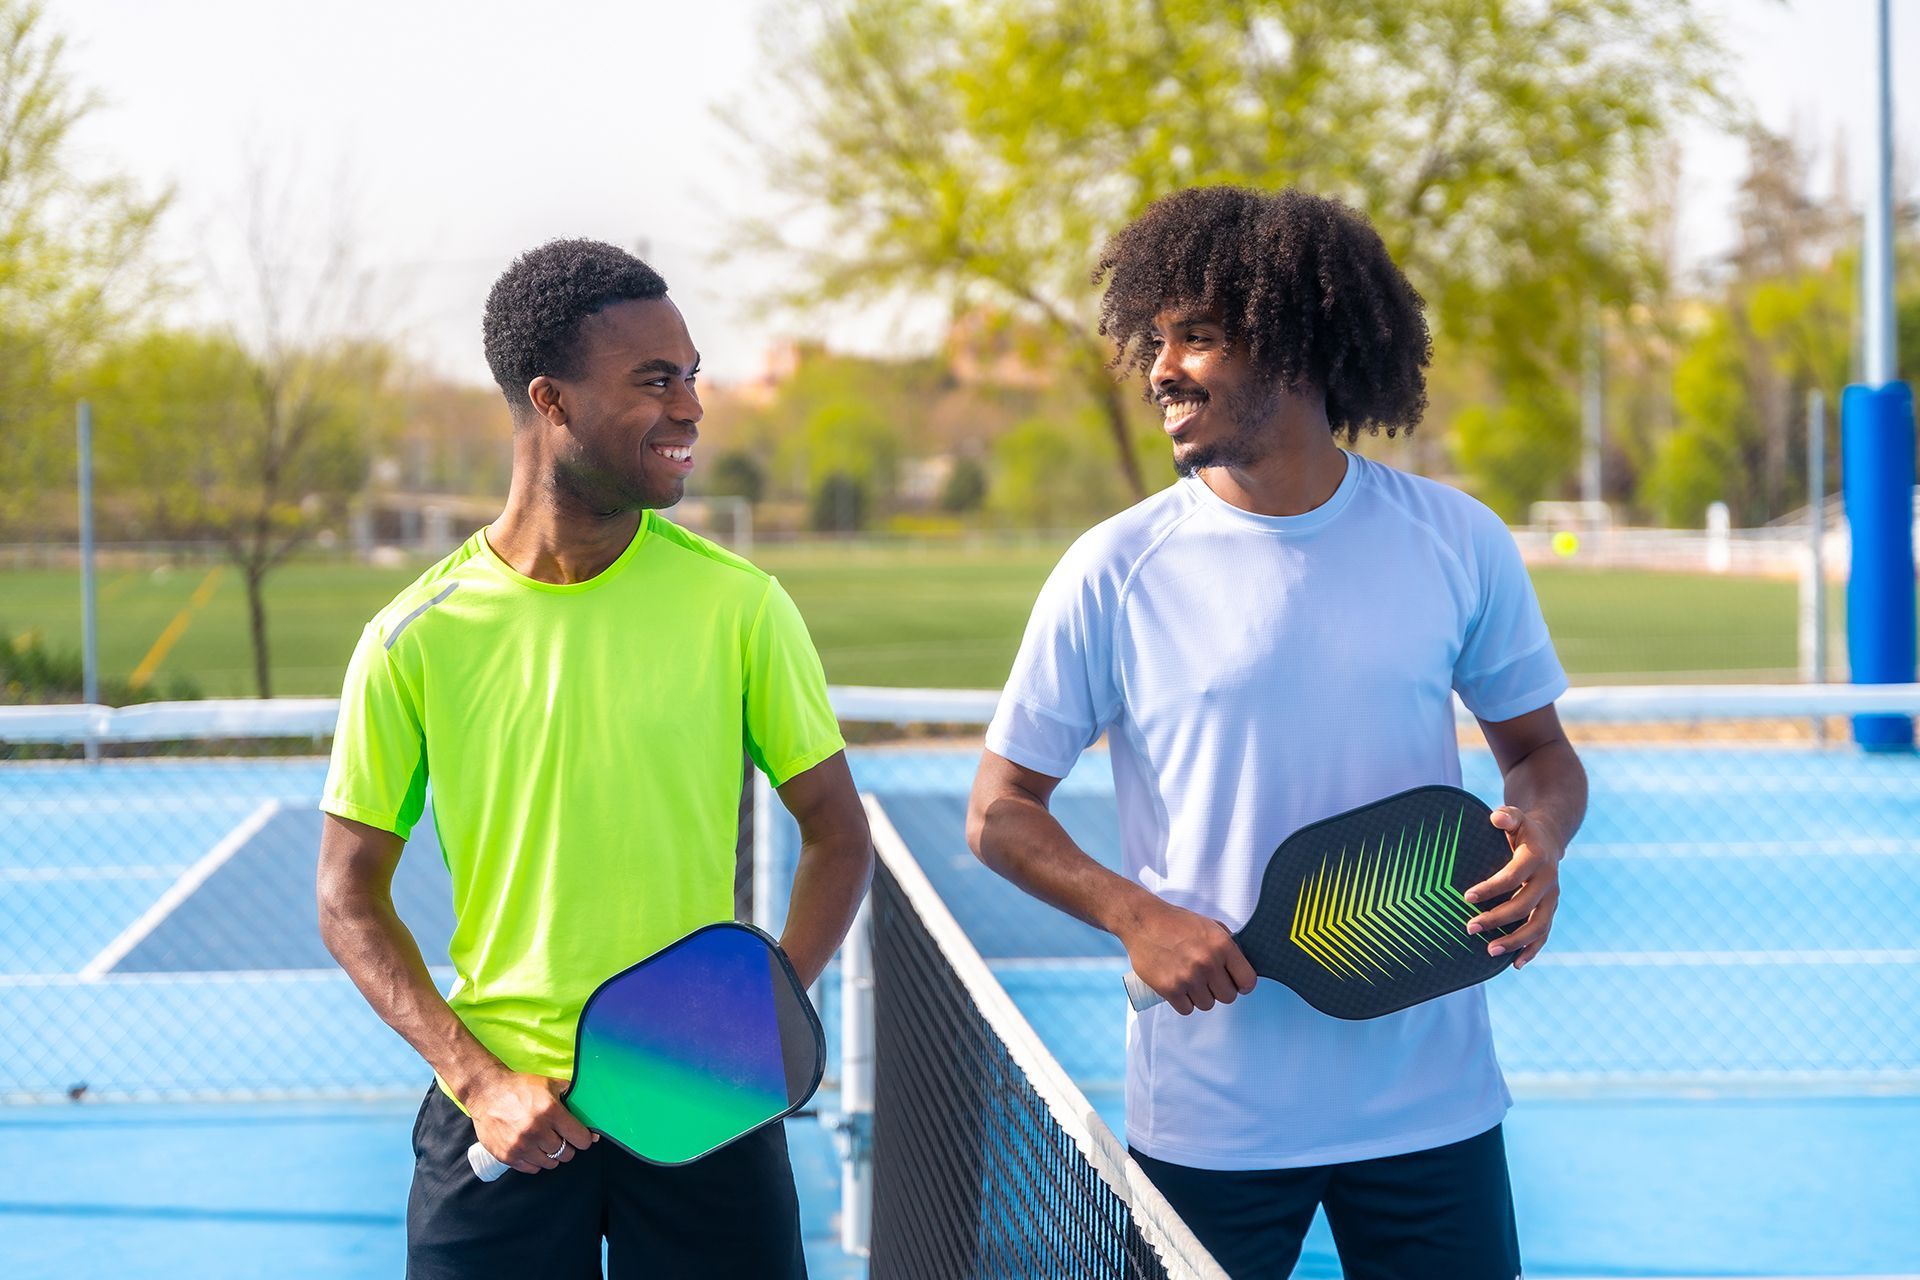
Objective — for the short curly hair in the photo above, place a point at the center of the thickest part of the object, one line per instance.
(531, 326)
(1302, 280)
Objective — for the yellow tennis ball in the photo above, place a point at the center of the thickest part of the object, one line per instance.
(1565, 543)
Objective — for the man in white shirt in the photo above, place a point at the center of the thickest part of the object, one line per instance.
(1275, 639)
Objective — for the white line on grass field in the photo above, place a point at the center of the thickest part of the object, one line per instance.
(179, 891)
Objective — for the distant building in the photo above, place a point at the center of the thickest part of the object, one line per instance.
(778, 363)
(988, 347)
(922, 480)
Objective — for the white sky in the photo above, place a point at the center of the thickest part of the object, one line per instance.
(471, 130)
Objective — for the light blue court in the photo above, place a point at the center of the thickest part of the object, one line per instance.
(221, 1191)
(1718, 1062)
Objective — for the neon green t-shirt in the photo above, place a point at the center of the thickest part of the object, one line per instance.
(584, 744)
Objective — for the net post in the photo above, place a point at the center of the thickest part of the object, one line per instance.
(853, 1130)
(765, 875)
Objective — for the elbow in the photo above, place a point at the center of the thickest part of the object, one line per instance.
(332, 916)
(867, 853)
(977, 828)
(342, 906)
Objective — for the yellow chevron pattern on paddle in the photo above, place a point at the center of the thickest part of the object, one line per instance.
(1374, 912)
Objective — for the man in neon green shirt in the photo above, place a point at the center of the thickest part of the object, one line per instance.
(579, 683)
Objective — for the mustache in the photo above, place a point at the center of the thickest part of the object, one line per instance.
(1164, 399)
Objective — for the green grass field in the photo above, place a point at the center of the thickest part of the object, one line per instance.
(880, 614)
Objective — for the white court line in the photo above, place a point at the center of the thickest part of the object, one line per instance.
(83, 806)
(197, 977)
(1567, 959)
(1095, 964)
(1708, 959)
(179, 891)
(1812, 846)
(48, 875)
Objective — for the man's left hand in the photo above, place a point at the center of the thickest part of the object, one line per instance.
(1532, 876)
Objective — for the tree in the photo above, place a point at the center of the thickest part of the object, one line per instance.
(299, 305)
(1508, 446)
(1700, 461)
(850, 437)
(1052, 475)
(965, 488)
(1780, 326)
(738, 474)
(258, 435)
(839, 504)
(298, 455)
(74, 256)
(980, 152)
(162, 401)
(207, 438)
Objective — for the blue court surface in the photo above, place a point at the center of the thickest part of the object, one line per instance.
(1717, 1062)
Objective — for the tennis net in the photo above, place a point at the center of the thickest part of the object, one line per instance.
(987, 1160)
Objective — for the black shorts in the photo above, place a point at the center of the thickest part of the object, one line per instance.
(733, 1213)
(1446, 1213)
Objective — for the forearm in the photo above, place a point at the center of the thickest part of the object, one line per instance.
(831, 878)
(1189, 959)
(1018, 837)
(1550, 785)
(367, 937)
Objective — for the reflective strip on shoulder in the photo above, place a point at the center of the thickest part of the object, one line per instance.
(407, 621)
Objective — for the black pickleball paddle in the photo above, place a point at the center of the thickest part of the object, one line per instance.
(1362, 915)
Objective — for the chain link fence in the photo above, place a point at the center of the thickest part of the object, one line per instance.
(1741, 912)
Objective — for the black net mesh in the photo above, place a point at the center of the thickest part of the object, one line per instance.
(973, 1173)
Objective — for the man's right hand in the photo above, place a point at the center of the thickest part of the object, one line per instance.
(521, 1120)
(1192, 961)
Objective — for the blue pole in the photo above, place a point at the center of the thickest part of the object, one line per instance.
(1877, 473)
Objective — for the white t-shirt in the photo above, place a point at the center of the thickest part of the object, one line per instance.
(1255, 674)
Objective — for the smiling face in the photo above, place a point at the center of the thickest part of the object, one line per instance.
(624, 425)
(1218, 409)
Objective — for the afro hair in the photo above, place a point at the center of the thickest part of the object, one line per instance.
(1303, 281)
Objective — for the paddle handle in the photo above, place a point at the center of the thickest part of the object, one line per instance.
(1142, 996)
(485, 1167)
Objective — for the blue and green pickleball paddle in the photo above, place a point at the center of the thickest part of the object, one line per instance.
(1362, 914)
(701, 1043)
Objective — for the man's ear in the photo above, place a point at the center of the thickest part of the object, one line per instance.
(549, 400)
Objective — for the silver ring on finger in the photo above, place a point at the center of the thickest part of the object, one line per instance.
(559, 1151)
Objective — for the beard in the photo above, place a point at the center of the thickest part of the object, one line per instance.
(604, 486)
(1245, 442)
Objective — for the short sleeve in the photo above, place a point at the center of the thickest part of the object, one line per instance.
(378, 774)
(1061, 693)
(790, 724)
(1507, 666)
